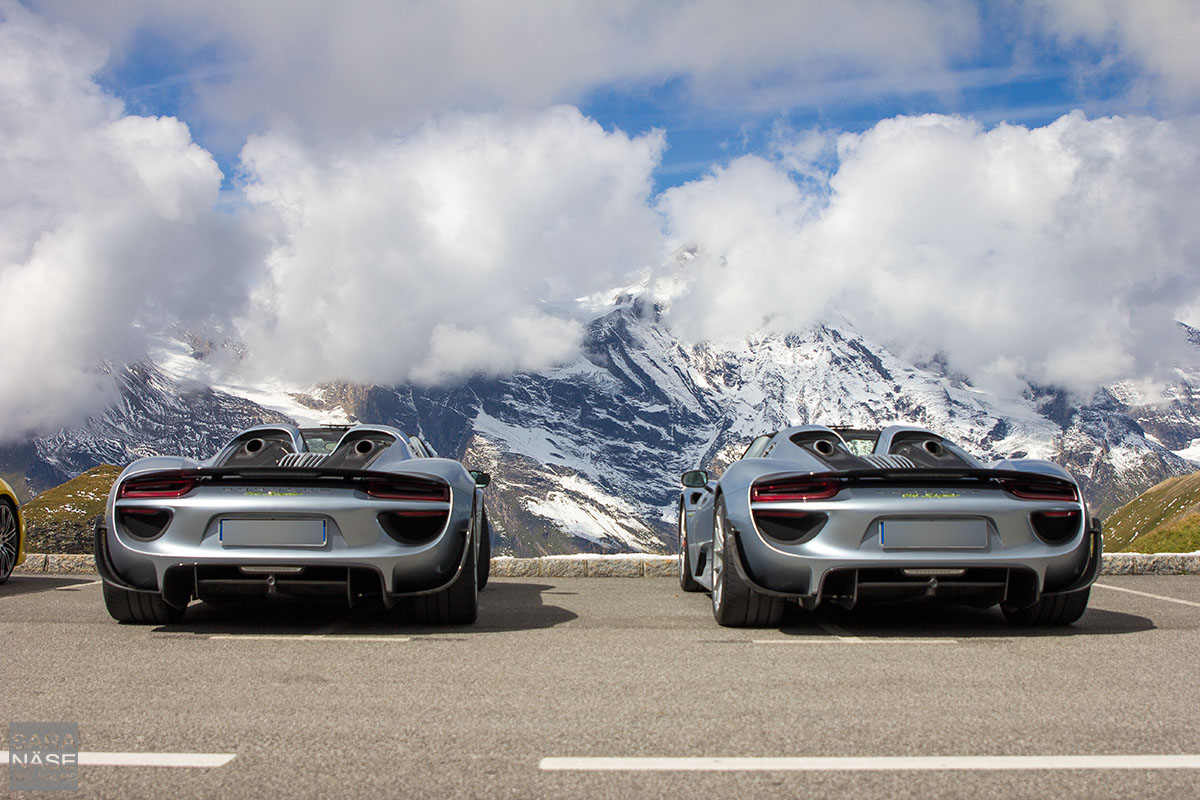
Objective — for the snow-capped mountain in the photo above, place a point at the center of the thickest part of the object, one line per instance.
(156, 413)
(586, 456)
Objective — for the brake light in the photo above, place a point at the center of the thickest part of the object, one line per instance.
(395, 489)
(1041, 490)
(794, 490)
(160, 486)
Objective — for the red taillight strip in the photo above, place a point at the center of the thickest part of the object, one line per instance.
(794, 491)
(1036, 490)
(782, 513)
(396, 490)
(164, 486)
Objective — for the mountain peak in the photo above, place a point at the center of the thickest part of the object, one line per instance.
(585, 456)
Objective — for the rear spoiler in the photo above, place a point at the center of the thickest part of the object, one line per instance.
(274, 472)
(264, 475)
(949, 474)
(921, 476)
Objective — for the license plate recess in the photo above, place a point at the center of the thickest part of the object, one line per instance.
(933, 534)
(273, 532)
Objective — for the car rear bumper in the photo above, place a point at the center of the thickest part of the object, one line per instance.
(390, 570)
(983, 578)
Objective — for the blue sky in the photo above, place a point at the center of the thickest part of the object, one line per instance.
(1018, 64)
(1008, 185)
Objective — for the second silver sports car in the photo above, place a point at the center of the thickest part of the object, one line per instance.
(346, 512)
(817, 514)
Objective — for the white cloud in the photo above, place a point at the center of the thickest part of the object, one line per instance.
(107, 228)
(1059, 255)
(1160, 35)
(333, 68)
(457, 249)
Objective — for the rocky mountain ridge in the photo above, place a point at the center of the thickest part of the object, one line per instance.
(586, 456)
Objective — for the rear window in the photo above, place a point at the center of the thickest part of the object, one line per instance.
(322, 441)
(757, 447)
(860, 443)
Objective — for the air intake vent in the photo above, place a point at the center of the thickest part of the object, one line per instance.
(889, 462)
(1055, 527)
(792, 527)
(143, 523)
(413, 527)
(302, 459)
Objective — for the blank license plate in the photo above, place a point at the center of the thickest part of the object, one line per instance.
(913, 534)
(273, 532)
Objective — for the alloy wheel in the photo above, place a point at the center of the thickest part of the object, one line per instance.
(9, 533)
(718, 559)
(682, 543)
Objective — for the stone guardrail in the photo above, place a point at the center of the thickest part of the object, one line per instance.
(641, 566)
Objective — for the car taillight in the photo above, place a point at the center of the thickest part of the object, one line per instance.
(157, 486)
(1041, 490)
(393, 489)
(794, 490)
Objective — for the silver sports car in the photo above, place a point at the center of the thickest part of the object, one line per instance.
(343, 511)
(818, 514)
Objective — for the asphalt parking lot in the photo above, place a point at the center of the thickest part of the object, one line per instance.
(289, 701)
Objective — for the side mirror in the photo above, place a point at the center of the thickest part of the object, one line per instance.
(695, 478)
(482, 479)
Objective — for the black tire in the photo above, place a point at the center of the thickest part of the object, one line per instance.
(686, 580)
(1056, 609)
(458, 603)
(484, 570)
(10, 538)
(139, 608)
(735, 603)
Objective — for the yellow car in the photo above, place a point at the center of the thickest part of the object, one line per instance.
(12, 532)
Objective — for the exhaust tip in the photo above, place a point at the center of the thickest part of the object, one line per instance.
(823, 447)
(254, 446)
(934, 448)
(363, 446)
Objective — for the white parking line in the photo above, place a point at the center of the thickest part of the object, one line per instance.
(1147, 594)
(75, 586)
(836, 630)
(306, 637)
(839, 635)
(855, 764)
(853, 640)
(199, 760)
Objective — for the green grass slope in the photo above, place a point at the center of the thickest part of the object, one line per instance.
(59, 520)
(1180, 535)
(1157, 521)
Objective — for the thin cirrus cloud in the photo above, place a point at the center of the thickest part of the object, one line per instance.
(1158, 38)
(346, 67)
(429, 209)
